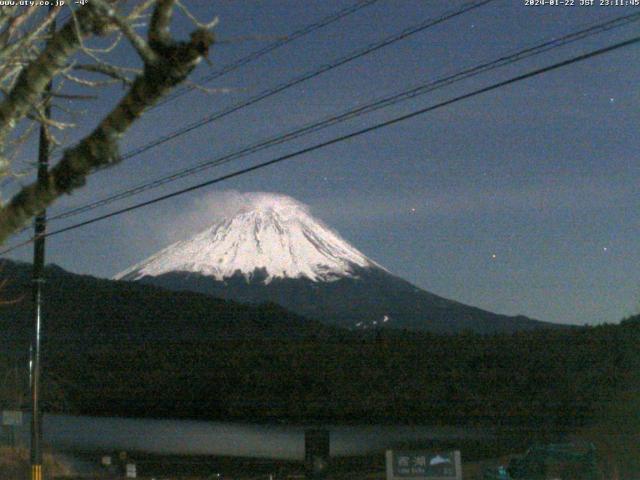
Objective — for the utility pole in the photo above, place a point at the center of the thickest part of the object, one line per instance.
(40, 227)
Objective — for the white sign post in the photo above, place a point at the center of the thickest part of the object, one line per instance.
(131, 470)
(422, 465)
(12, 418)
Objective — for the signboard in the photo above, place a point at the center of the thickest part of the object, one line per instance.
(11, 418)
(423, 465)
(131, 470)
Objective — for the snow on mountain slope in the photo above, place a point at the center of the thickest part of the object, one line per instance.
(272, 232)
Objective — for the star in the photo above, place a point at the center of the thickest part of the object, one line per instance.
(604, 249)
(413, 210)
(493, 255)
(612, 99)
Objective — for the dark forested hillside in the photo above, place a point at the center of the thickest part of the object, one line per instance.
(372, 298)
(88, 311)
(554, 379)
(116, 348)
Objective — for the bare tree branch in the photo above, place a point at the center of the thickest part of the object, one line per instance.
(196, 22)
(75, 96)
(35, 76)
(160, 21)
(116, 73)
(140, 10)
(13, 53)
(87, 83)
(140, 44)
(173, 62)
(14, 24)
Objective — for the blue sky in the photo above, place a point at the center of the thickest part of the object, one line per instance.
(521, 201)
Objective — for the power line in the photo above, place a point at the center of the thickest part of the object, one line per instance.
(307, 29)
(323, 22)
(358, 111)
(345, 137)
(307, 76)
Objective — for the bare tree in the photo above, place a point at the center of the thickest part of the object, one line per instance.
(32, 55)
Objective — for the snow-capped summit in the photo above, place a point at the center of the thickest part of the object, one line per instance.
(270, 232)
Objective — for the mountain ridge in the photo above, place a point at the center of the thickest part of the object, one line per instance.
(273, 250)
(371, 299)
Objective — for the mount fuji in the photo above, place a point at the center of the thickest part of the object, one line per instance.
(272, 249)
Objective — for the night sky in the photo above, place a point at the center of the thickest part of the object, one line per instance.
(523, 200)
